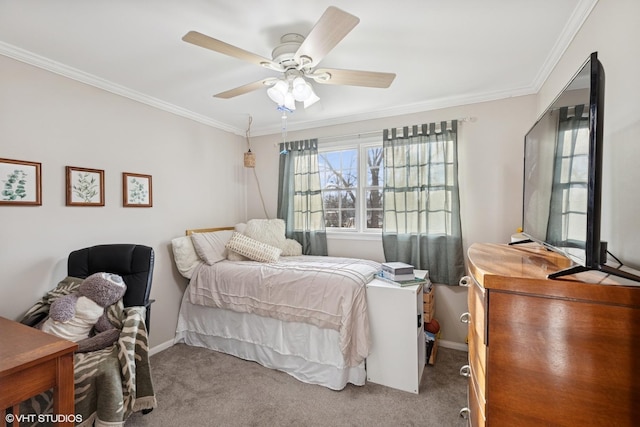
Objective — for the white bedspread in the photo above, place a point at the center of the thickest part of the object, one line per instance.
(327, 292)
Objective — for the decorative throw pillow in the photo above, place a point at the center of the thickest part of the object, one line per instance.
(233, 256)
(210, 247)
(253, 249)
(185, 255)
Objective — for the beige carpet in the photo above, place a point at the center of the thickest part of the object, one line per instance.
(200, 387)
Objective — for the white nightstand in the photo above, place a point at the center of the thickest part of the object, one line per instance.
(397, 355)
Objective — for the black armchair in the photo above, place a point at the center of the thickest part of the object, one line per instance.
(134, 263)
(98, 390)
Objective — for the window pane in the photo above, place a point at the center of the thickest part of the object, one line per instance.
(339, 170)
(331, 218)
(349, 218)
(374, 199)
(375, 169)
(348, 199)
(331, 199)
(373, 192)
(374, 219)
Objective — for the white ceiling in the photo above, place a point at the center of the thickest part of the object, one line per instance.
(444, 52)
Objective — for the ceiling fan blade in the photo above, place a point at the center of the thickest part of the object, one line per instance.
(207, 42)
(332, 76)
(241, 90)
(333, 26)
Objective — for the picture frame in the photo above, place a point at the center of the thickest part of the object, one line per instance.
(85, 187)
(20, 182)
(137, 190)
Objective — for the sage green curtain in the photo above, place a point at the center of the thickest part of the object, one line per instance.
(421, 202)
(299, 196)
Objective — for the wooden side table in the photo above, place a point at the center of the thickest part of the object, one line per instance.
(31, 362)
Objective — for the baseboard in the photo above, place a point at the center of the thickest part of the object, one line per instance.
(443, 343)
(158, 348)
(453, 345)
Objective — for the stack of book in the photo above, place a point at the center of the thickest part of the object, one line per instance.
(400, 273)
(397, 271)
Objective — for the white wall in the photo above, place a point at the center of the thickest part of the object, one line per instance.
(59, 122)
(490, 170)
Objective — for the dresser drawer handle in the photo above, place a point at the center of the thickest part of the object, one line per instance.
(465, 371)
(465, 281)
(464, 413)
(465, 317)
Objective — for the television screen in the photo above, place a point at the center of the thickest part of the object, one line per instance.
(563, 175)
(562, 170)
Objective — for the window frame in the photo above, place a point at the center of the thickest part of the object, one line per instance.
(361, 145)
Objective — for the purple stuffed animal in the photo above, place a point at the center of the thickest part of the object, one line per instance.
(74, 316)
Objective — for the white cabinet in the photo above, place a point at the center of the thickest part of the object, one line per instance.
(397, 355)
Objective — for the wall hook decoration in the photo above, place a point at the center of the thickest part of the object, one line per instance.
(249, 157)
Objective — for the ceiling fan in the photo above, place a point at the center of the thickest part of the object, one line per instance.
(297, 58)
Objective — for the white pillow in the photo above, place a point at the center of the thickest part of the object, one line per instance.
(185, 256)
(253, 249)
(210, 247)
(269, 231)
(291, 248)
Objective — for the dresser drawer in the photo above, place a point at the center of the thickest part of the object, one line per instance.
(478, 382)
(477, 331)
(478, 360)
(477, 308)
(477, 405)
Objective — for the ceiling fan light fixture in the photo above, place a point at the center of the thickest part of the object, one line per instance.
(278, 92)
(289, 101)
(313, 98)
(301, 89)
(286, 92)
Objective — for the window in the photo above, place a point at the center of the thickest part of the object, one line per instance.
(352, 203)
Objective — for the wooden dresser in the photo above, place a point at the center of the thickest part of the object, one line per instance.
(562, 352)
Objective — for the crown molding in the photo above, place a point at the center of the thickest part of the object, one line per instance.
(92, 80)
(575, 22)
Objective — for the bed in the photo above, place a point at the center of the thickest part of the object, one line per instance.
(303, 315)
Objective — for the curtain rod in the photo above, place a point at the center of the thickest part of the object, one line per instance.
(370, 133)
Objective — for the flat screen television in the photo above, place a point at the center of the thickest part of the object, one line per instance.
(563, 174)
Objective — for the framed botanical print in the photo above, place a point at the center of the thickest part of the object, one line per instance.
(20, 182)
(137, 191)
(85, 187)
